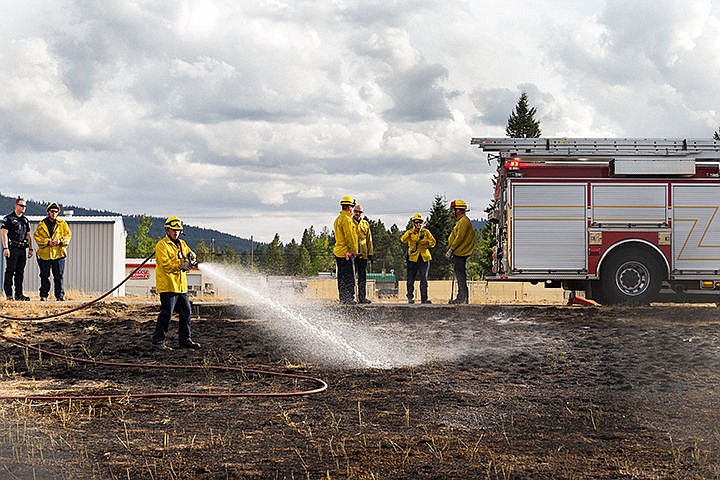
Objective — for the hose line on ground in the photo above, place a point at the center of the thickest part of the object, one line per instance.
(321, 385)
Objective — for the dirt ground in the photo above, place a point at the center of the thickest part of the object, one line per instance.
(414, 392)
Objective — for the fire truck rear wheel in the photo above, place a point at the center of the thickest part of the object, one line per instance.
(631, 276)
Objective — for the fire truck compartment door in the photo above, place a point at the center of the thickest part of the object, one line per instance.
(548, 229)
(696, 228)
(641, 204)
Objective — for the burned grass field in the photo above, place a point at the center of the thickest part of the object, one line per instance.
(429, 392)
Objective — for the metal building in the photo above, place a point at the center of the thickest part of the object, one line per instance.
(95, 261)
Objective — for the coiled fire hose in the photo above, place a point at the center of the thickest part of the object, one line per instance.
(321, 385)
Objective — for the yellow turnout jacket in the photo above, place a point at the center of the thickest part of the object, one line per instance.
(462, 238)
(42, 238)
(168, 257)
(365, 242)
(346, 239)
(418, 244)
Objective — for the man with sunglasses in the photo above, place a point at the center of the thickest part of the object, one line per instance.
(52, 237)
(15, 234)
(365, 252)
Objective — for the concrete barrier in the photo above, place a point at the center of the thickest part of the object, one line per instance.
(439, 291)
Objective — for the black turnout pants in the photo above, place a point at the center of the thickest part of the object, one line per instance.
(461, 277)
(345, 279)
(415, 270)
(361, 271)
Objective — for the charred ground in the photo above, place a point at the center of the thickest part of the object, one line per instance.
(503, 392)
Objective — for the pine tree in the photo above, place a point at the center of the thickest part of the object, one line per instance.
(440, 223)
(484, 246)
(396, 255)
(521, 122)
(381, 246)
(307, 239)
(202, 252)
(229, 256)
(259, 259)
(141, 243)
(274, 262)
(292, 256)
(321, 256)
(304, 266)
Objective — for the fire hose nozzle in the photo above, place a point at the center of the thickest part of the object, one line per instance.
(192, 259)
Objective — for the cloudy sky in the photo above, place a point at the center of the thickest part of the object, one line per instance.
(257, 116)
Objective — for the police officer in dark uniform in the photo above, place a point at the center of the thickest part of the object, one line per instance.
(15, 234)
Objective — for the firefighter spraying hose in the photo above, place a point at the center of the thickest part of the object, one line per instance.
(190, 261)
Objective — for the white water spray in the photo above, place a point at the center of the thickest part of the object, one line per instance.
(291, 315)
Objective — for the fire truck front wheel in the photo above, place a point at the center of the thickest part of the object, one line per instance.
(631, 276)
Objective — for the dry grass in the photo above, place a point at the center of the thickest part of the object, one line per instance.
(542, 413)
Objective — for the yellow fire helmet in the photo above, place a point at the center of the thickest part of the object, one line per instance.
(417, 216)
(173, 223)
(347, 200)
(458, 204)
(53, 206)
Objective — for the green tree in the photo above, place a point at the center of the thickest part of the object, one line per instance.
(486, 243)
(321, 253)
(274, 262)
(304, 265)
(381, 246)
(292, 257)
(396, 254)
(141, 243)
(229, 256)
(440, 223)
(202, 252)
(316, 250)
(244, 259)
(259, 258)
(307, 238)
(521, 122)
(479, 265)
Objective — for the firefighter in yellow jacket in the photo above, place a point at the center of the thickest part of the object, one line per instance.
(419, 240)
(365, 252)
(52, 237)
(173, 258)
(460, 246)
(345, 251)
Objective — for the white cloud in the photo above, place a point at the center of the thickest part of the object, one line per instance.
(256, 117)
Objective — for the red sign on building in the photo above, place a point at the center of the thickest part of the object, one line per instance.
(142, 274)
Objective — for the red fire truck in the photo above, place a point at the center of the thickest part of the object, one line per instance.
(618, 218)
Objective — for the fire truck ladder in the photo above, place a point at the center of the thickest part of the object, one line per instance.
(569, 149)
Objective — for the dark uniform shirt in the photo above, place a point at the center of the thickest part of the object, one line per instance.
(18, 228)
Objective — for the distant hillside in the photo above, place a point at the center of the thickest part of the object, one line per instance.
(478, 224)
(192, 235)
